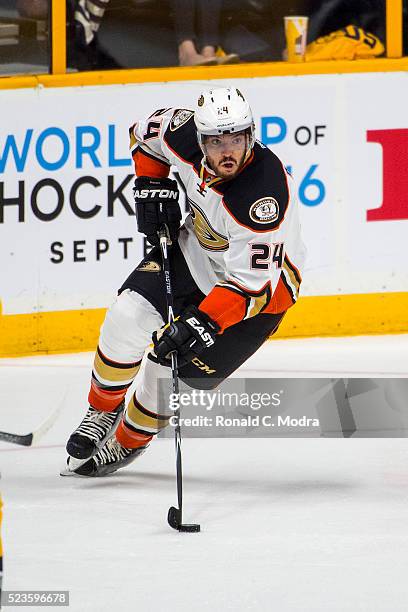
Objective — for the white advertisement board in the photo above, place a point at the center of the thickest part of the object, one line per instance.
(68, 234)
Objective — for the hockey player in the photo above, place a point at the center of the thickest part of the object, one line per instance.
(236, 265)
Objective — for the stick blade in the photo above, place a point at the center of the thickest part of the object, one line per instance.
(174, 517)
(21, 440)
(174, 520)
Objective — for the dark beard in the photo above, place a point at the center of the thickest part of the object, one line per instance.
(239, 166)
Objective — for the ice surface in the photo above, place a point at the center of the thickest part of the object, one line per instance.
(287, 524)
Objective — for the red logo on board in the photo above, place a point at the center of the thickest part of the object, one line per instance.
(394, 144)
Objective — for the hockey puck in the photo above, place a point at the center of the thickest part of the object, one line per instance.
(190, 528)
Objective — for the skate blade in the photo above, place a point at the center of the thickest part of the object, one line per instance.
(71, 465)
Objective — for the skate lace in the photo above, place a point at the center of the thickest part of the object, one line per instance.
(96, 424)
(111, 453)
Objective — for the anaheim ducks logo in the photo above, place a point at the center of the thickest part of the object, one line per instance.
(149, 266)
(206, 235)
(180, 118)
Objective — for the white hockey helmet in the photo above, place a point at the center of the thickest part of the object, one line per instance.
(223, 110)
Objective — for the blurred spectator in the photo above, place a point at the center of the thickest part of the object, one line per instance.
(88, 16)
(197, 24)
(327, 16)
(338, 29)
(33, 9)
(84, 19)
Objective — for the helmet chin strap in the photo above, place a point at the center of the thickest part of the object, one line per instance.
(206, 165)
(250, 145)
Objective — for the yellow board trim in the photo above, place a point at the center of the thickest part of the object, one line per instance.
(394, 28)
(342, 315)
(203, 73)
(347, 315)
(58, 37)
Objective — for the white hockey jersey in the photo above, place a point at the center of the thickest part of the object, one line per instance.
(241, 239)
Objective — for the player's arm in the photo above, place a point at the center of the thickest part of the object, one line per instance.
(262, 261)
(156, 196)
(253, 270)
(246, 293)
(146, 140)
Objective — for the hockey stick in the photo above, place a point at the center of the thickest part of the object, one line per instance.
(175, 515)
(33, 437)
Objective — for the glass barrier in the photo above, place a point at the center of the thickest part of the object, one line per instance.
(106, 34)
(110, 34)
(24, 37)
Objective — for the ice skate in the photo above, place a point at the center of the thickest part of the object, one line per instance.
(110, 458)
(95, 428)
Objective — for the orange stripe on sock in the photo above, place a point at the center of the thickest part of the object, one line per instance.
(104, 400)
(130, 439)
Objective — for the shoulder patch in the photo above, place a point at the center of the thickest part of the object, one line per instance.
(181, 137)
(265, 210)
(259, 196)
(180, 118)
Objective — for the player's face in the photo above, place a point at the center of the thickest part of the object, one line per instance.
(226, 153)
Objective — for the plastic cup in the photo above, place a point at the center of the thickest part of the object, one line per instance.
(296, 37)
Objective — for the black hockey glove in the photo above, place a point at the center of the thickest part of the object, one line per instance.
(189, 334)
(157, 204)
